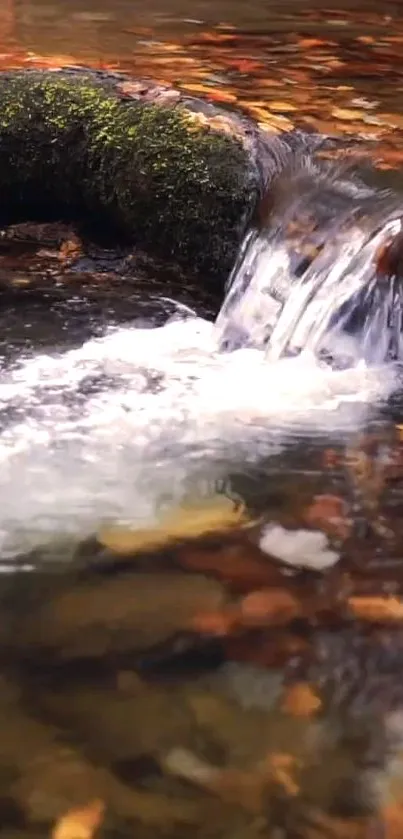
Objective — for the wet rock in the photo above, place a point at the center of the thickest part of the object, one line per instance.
(145, 167)
(98, 617)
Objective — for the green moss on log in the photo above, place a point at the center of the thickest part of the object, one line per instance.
(70, 146)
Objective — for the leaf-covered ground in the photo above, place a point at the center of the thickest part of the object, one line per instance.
(334, 71)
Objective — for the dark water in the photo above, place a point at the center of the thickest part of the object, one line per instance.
(219, 671)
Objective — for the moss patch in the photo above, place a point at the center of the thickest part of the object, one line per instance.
(71, 146)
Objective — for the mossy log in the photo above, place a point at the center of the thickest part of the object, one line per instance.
(163, 173)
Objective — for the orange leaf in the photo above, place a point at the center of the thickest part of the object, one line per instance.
(347, 114)
(222, 96)
(301, 701)
(80, 823)
(281, 107)
(308, 43)
(269, 607)
(365, 39)
(377, 609)
(215, 623)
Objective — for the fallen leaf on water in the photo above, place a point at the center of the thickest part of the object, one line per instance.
(222, 96)
(281, 107)
(384, 609)
(309, 43)
(219, 515)
(269, 129)
(365, 39)
(245, 65)
(80, 823)
(215, 38)
(347, 114)
(263, 115)
(301, 700)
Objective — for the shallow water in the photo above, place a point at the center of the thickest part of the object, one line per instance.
(130, 680)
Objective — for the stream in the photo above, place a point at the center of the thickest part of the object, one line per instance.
(201, 524)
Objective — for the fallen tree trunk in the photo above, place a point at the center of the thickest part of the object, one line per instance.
(171, 176)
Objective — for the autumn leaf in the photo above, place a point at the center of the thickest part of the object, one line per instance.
(215, 624)
(217, 515)
(311, 43)
(377, 609)
(80, 823)
(269, 607)
(301, 701)
(222, 96)
(281, 107)
(347, 114)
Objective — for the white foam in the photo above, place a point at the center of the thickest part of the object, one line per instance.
(140, 418)
(299, 548)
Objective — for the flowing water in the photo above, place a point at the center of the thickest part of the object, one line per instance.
(143, 417)
(121, 408)
(309, 280)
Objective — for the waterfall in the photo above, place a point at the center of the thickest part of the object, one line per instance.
(309, 278)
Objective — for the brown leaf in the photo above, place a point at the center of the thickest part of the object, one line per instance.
(269, 607)
(81, 823)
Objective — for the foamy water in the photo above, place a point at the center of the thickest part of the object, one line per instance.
(141, 418)
(309, 280)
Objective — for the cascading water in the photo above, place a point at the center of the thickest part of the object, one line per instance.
(310, 282)
(141, 418)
